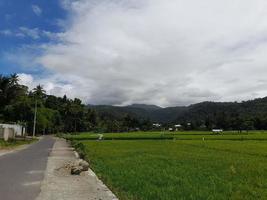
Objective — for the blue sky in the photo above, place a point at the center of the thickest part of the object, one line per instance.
(21, 24)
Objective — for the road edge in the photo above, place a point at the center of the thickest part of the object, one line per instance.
(18, 148)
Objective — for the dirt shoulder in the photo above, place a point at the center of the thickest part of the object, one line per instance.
(10, 147)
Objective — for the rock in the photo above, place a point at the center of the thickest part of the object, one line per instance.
(77, 162)
(76, 170)
(77, 167)
(84, 165)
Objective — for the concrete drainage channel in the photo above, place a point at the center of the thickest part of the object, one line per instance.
(69, 178)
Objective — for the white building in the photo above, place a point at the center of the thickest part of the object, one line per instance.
(8, 131)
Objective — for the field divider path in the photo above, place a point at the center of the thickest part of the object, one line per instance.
(60, 185)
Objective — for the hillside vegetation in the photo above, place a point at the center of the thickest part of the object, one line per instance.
(245, 115)
(62, 114)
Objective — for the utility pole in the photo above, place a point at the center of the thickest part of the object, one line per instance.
(35, 117)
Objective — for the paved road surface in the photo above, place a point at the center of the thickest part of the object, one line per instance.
(21, 173)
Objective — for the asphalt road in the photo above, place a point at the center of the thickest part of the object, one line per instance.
(21, 173)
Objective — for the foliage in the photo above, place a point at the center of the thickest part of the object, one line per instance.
(247, 115)
(56, 114)
(61, 114)
(14, 143)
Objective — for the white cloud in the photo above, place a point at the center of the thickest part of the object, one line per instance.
(6, 32)
(162, 52)
(37, 10)
(10, 33)
(55, 85)
(33, 33)
(26, 79)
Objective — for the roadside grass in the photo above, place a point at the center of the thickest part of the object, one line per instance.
(13, 143)
(181, 169)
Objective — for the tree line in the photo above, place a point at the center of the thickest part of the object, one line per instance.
(56, 114)
(246, 115)
(62, 114)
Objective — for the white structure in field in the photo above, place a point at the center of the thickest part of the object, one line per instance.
(178, 127)
(157, 125)
(217, 130)
(10, 131)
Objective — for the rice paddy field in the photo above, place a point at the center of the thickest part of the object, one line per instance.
(179, 165)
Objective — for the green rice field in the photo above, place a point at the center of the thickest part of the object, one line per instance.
(183, 135)
(183, 166)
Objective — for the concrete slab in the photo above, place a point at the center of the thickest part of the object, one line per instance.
(60, 185)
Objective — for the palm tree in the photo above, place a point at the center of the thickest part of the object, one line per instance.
(14, 79)
(39, 92)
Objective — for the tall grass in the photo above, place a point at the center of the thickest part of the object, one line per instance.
(13, 143)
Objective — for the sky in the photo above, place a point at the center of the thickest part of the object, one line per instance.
(120, 52)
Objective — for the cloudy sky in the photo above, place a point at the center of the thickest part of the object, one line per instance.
(119, 52)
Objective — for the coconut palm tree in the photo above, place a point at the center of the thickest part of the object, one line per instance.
(39, 92)
(14, 79)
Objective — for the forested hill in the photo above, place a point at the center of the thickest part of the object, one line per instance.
(62, 114)
(228, 115)
(141, 111)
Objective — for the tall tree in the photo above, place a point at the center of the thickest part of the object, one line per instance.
(39, 92)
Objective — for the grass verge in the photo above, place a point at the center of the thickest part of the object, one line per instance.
(13, 143)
